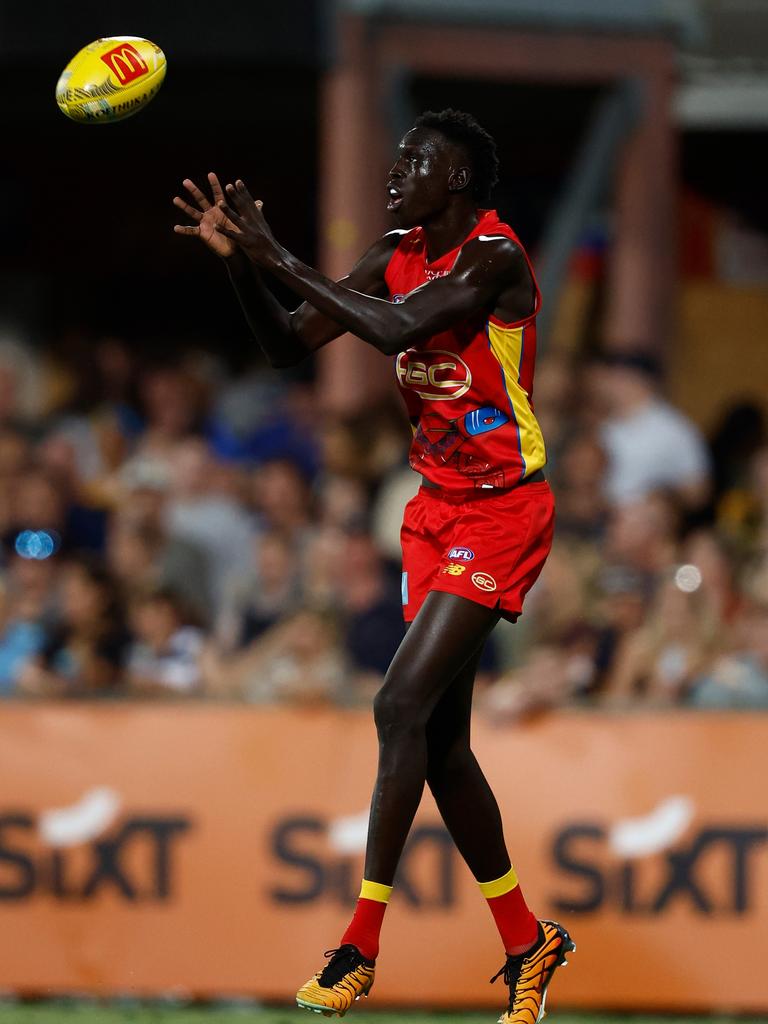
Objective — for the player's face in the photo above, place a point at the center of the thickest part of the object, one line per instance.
(418, 185)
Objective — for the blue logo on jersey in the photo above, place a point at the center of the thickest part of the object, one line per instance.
(480, 421)
(461, 554)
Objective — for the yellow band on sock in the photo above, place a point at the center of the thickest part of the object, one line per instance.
(375, 891)
(499, 886)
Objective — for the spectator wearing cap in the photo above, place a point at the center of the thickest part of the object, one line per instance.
(650, 445)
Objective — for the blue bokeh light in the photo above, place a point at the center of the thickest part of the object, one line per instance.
(36, 544)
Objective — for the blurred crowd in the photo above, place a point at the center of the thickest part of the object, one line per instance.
(171, 529)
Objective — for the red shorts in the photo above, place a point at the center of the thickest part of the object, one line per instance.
(489, 548)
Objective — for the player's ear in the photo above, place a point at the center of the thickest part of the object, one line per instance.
(459, 179)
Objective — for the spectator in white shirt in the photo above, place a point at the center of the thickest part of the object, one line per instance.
(164, 658)
(651, 446)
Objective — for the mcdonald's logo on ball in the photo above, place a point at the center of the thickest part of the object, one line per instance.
(126, 63)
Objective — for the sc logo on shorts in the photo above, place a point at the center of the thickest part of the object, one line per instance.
(483, 581)
(437, 375)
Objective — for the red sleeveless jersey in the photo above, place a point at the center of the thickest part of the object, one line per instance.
(468, 390)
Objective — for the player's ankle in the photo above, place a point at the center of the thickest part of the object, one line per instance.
(527, 944)
(520, 950)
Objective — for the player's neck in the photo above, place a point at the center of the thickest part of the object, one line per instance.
(449, 228)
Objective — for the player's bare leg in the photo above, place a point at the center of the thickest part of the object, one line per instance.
(471, 814)
(446, 634)
(422, 717)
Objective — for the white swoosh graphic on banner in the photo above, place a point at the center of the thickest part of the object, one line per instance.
(348, 835)
(93, 813)
(657, 831)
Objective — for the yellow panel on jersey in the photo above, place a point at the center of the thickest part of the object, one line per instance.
(507, 345)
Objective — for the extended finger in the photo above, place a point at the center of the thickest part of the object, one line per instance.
(235, 197)
(242, 192)
(218, 192)
(186, 229)
(189, 210)
(241, 197)
(231, 215)
(197, 194)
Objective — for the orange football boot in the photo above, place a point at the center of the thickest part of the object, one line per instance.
(346, 977)
(528, 975)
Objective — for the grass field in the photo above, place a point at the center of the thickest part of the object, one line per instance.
(68, 1013)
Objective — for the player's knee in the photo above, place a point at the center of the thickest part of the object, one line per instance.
(396, 713)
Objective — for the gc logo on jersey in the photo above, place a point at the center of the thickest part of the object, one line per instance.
(461, 554)
(437, 375)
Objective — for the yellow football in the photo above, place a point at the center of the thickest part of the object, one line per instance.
(110, 79)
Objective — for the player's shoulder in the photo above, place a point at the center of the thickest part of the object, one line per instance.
(387, 243)
(497, 242)
(378, 255)
(503, 251)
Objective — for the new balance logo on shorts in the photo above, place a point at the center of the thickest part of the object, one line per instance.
(453, 569)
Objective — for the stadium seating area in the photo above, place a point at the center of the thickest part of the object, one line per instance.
(171, 530)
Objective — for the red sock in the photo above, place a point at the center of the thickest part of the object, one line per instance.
(365, 926)
(517, 926)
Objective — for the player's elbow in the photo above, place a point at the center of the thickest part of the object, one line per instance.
(390, 344)
(397, 337)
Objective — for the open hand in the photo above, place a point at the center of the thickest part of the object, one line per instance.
(208, 216)
(245, 225)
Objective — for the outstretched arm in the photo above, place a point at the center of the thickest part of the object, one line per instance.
(487, 269)
(288, 338)
(285, 338)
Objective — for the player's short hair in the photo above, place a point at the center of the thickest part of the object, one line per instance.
(463, 129)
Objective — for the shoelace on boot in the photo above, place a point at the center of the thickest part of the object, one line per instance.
(512, 971)
(342, 960)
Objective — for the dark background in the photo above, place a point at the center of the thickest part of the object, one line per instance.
(86, 238)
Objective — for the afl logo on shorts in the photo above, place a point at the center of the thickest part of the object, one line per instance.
(461, 554)
(483, 581)
(437, 375)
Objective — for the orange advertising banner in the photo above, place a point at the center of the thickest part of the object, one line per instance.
(213, 850)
